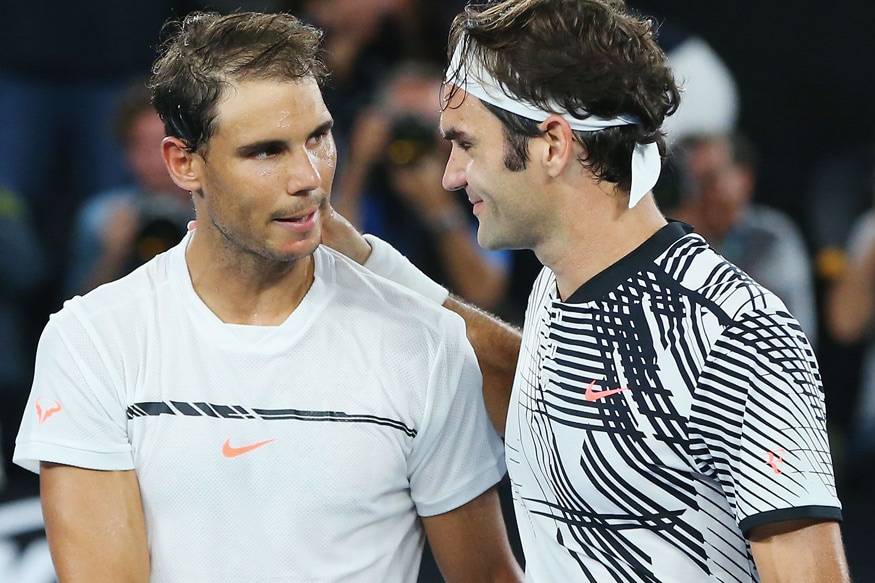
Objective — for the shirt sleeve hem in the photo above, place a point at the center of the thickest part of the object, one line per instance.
(473, 488)
(28, 455)
(801, 512)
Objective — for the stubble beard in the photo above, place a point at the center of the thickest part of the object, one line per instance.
(245, 250)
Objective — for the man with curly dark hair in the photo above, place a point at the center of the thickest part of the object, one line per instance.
(666, 422)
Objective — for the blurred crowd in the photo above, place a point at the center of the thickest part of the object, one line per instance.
(85, 197)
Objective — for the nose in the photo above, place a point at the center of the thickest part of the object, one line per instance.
(304, 173)
(454, 174)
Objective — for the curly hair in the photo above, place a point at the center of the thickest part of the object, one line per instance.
(205, 52)
(586, 57)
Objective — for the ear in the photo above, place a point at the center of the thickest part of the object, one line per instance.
(559, 144)
(181, 164)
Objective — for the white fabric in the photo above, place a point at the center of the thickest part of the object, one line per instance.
(646, 161)
(668, 406)
(388, 262)
(370, 394)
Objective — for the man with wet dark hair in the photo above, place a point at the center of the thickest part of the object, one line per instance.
(251, 405)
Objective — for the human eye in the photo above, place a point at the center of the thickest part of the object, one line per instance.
(463, 145)
(320, 136)
(458, 139)
(263, 151)
(317, 139)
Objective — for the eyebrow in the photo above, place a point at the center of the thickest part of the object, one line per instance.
(453, 134)
(322, 128)
(261, 146)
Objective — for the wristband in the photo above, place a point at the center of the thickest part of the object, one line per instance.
(388, 262)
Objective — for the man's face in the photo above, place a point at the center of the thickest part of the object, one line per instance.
(510, 213)
(266, 173)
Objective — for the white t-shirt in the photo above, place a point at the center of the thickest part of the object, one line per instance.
(662, 411)
(300, 452)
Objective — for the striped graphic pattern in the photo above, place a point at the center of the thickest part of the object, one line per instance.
(719, 427)
(201, 409)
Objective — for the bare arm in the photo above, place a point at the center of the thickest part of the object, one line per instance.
(95, 524)
(799, 551)
(470, 543)
(496, 343)
(497, 346)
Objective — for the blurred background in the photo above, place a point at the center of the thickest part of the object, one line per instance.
(772, 158)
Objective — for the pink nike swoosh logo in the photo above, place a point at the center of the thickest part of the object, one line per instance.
(230, 451)
(591, 395)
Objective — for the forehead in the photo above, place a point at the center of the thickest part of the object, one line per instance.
(462, 112)
(261, 105)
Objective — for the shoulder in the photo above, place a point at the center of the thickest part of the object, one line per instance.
(380, 298)
(713, 282)
(129, 297)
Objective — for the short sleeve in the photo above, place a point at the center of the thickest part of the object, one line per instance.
(457, 455)
(74, 415)
(759, 408)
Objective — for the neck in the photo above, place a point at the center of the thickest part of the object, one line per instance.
(599, 231)
(243, 288)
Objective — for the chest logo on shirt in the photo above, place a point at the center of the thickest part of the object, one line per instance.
(229, 450)
(775, 460)
(43, 415)
(591, 395)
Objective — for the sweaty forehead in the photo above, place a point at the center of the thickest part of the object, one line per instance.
(256, 104)
(461, 112)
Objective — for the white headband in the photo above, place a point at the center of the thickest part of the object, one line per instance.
(646, 161)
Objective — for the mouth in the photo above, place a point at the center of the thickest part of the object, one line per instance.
(299, 218)
(299, 222)
(476, 204)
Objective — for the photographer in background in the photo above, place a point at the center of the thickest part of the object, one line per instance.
(120, 229)
(391, 187)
